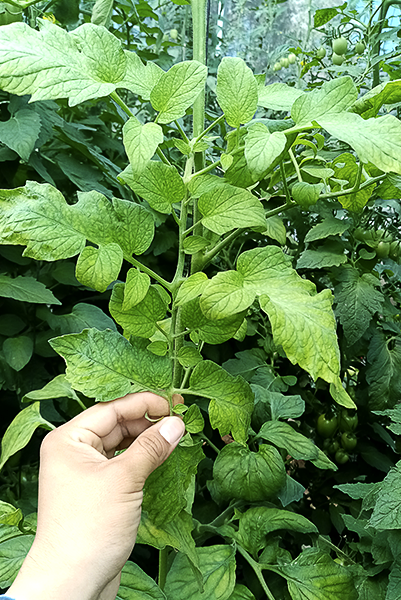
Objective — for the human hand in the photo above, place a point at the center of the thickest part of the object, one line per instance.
(90, 500)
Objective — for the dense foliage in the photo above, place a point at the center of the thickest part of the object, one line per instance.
(250, 263)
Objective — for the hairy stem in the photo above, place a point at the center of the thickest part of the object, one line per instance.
(296, 166)
(151, 273)
(258, 571)
(163, 555)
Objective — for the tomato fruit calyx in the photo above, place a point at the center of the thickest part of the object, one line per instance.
(326, 425)
(339, 45)
(348, 441)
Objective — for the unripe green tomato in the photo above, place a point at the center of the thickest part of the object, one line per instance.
(334, 446)
(395, 250)
(292, 58)
(326, 425)
(277, 66)
(348, 421)
(341, 457)
(284, 62)
(339, 45)
(382, 250)
(348, 441)
(321, 52)
(9, 14)
(360, 47)
(337, 59)
(173, 34)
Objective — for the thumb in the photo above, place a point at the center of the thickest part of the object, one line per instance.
(152, 447)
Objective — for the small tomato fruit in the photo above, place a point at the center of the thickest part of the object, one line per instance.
(326, 425)
(360, 47)
(292, 58)
(341, 457)
(321, 52)
(382, 250)
(337, 59)
(348, 421)
(173, 34)
(348, 441)
(339, 45)
(284, 62)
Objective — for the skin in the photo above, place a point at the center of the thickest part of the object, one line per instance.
(90, 500)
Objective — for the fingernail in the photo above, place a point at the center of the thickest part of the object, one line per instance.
(172, 429)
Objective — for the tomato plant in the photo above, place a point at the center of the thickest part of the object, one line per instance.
(223, 246)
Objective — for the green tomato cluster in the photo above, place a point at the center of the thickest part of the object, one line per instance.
(338, 434)
(380, 241)
(285, 62)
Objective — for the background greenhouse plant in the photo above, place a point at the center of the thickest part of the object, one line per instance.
(208, 266)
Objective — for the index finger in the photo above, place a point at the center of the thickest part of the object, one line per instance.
(105, 425)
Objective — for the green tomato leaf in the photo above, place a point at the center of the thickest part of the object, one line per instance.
(292, 491)
(160, 185)
(176, 533)
(38, 217)
(217, 565)
(208, 330)
(103, 364)
(229, 207)
(225, 295)
(314, 575)
(26, 289)
(158, 347)
(81, 317)
(194, 422)
(18, 351)
(284, 436)
(98, 267)
(102, 12)
(245, 475)
(329, 226)
(231, 398)
(386, 512)
(140, 79)
(191, 288)
(241, 593)
(177, 90)
(357, 301)
(257, 522)
(189, 356)
(275, 229)
(9, 515)
(335, 96)
(305, 193)
(136, 288)
(329, 255)
(140, 320)
(278, 96)
(136, 584)
(195, 243)
(262, 148)
(12, 554)
(58, 387)
(20, 132)
(368, 105)
(52, 63)
(141, 142)
(384, 371)
(375, 140)
(165, 489)
(237, 91)
(20, 431)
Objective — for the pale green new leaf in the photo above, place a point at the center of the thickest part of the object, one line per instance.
(140, 79)
(305, 193)
(209, 330)
(38, 217)
(194, 422)
(20, 132)
(101, 12)
(52, 63)
(275, 229)
(278, 96)
(225, 295)
(357, 301)
(374, 140)
(262, 148)
(228, 207)
(231, 398)
(189, 356)
(246, 475)
(98, 267)
(335, 96)
(139, 320)
(237, 91)
(195, 243)
(18, 351)
(26, 289)
(9, 514)
(177, 89)
(135, 583)
(284, 436)
(217, 565)
(141, 142)
(165, 488)
(315, 576)
(136, 288)
(192, 287)
(20, 431)
(160, 185)
(257, 522)
(103, 364)
(346, 170)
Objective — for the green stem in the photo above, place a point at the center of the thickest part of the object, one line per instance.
(81, 404)
(206, 169)
(215, 448)
(284, 178)
(151, 273)
(163, 555)
(294, 162)
(355, 188)
(211, 126)
(182, 132)
(258, 571)
(208, 256)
